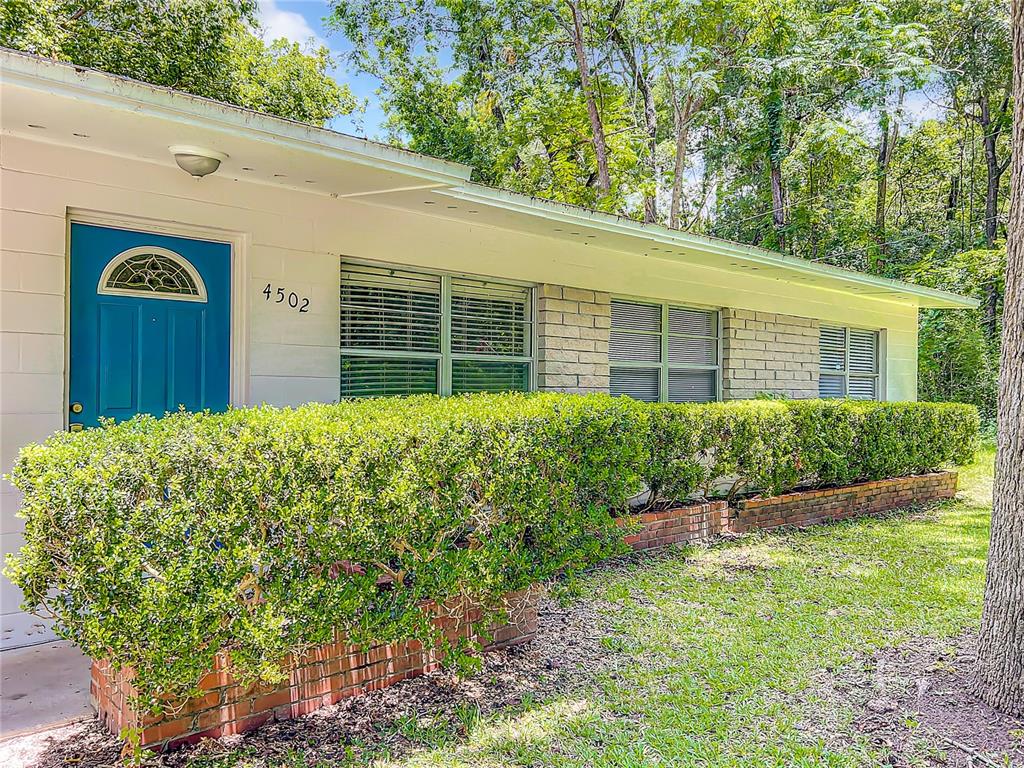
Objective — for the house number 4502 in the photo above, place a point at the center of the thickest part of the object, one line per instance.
(279, 296)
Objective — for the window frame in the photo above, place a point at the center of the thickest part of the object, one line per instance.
(663, 365)
(845, 372)
(445, 356)
(103, 289)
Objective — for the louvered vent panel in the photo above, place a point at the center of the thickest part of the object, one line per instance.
(489, 376)
(490, 318)
(373, 376)
(383, 308)
(863, 388)
(687, 386)
(631, 316)
(831, 385)
(692, 322)
(638, 383)
(832, 345)
(625, 346)
(863, 351)
(687, 350)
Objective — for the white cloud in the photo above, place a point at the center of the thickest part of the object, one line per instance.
(277, 23)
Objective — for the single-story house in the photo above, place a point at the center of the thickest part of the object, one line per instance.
(308, 265)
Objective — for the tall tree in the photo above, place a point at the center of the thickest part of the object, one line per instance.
(975, 55)
(1000, 679)
(579, 46)
(206, 47)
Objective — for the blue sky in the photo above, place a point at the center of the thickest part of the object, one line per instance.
(302, 20)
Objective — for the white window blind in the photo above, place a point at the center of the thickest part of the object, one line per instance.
(660, 352)
(406, 332)
(849, 363)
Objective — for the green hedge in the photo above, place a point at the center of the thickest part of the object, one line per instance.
(158, 542)
(775, 446)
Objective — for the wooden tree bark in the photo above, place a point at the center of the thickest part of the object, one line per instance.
(683, 114)
(890, 126)
(638, 71)
(604, 181)
(1000, 673)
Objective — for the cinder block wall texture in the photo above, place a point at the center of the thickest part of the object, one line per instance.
(572, 339)
(761, 351)
(768, 352)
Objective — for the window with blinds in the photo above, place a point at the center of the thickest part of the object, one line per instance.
(407, 332)
(660, 352)
(849, 363)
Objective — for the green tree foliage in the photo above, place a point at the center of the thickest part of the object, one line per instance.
(206, 47)
(789, 124)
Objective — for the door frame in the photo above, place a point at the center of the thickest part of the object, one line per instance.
(238, 336)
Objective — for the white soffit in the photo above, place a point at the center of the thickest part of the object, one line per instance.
(60, 103)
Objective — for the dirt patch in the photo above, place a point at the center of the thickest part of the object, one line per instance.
(565, 657)
(914, 704)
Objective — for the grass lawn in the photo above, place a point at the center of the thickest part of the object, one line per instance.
(705, 657)
(722, 644)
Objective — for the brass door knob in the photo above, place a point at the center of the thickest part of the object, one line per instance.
(76, 408)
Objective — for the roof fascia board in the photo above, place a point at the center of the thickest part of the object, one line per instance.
(107, 90)
(568, 214)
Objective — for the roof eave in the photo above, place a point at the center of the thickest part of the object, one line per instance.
(53, 77)
(925, 297)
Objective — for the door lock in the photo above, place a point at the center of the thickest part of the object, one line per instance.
(76, 408)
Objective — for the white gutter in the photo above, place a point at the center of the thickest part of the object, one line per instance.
(112, 91)
(656, 233)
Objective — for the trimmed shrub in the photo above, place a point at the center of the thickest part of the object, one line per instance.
(775, 446)
(156, 543)
(742, 444)
(842, 441)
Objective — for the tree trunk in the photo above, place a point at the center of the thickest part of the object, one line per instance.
(993, 173)
(642, 82)
(1000, 673)
(683, 117)
(775, 153)
(890, 135)
(651, 118)
(778, 204)
(953, 201)
(604, 182)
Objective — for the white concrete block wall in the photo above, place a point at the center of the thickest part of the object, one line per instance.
(573, 325)
(765, 352)
(31, 376)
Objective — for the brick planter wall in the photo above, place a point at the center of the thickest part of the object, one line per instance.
(675, 526)
(322, 676)
(805, 508)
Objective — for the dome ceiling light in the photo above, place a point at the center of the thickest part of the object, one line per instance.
(197, 161)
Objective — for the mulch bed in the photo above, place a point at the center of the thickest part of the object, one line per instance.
(915, 703)
(566, 654)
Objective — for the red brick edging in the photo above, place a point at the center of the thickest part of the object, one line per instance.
(677, 525)
(811, 507)
(322, 676)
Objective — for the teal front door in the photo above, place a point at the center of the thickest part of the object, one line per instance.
(150, 324)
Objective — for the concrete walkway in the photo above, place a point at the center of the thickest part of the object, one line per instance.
(42, 686)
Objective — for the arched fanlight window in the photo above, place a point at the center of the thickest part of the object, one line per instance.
(155, 273)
